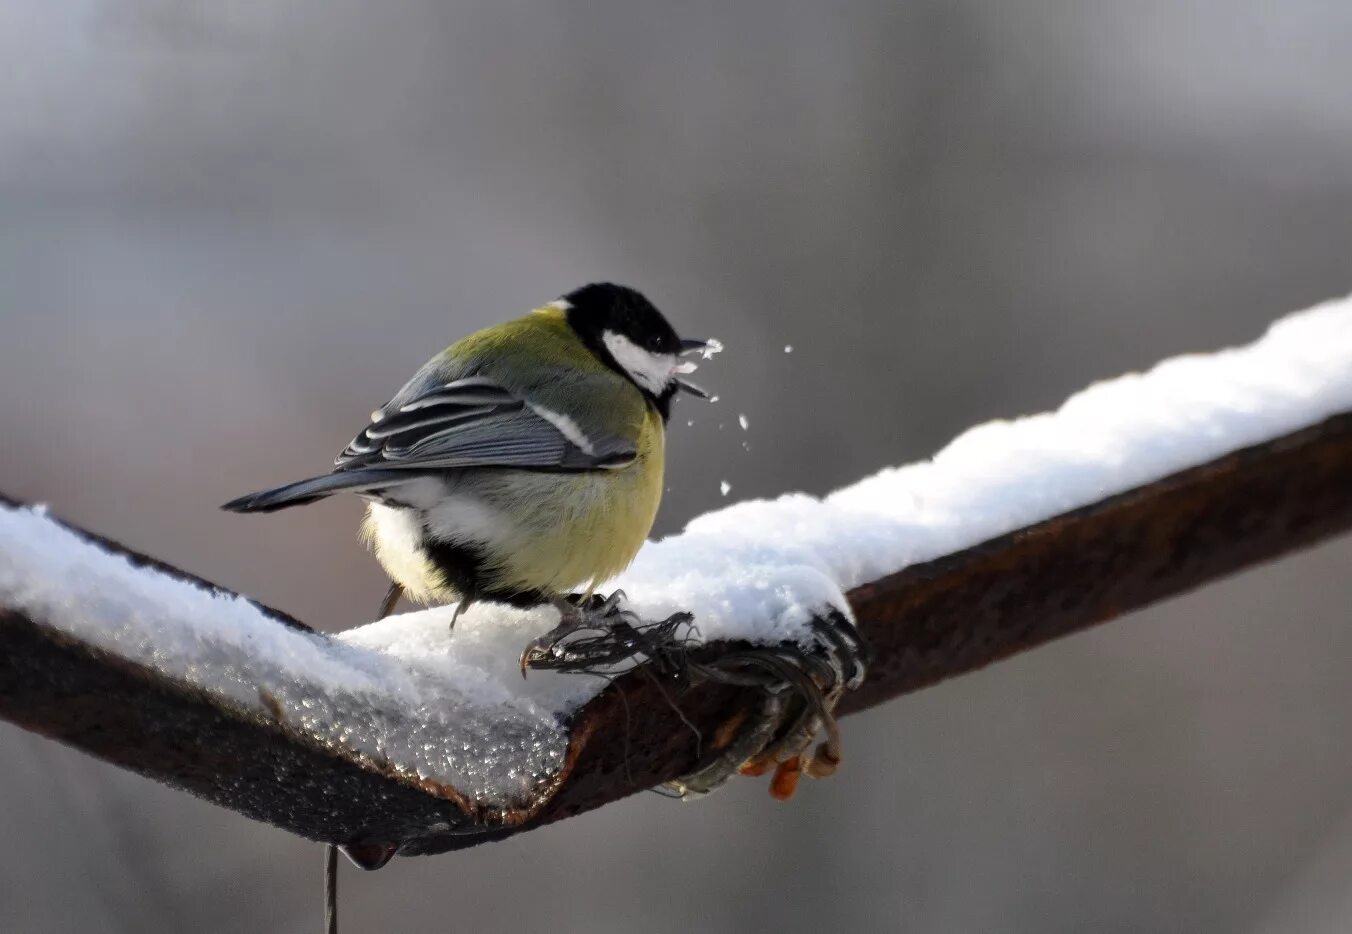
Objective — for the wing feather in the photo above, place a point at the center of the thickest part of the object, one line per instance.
(475, 422)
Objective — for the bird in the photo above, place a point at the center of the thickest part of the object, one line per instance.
(523, 464)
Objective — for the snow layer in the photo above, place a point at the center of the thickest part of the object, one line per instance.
(759, 569)
(466, 719)
(454, 708)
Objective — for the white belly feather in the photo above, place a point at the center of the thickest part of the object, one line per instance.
(395, 535)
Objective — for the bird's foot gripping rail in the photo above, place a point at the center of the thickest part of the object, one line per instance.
(800, 687)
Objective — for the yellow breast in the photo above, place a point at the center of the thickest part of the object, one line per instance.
(551, 532)
(581, 528)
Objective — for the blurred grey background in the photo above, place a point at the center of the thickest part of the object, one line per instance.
(228, 230)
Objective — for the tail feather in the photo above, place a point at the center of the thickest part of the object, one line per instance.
(315, 488)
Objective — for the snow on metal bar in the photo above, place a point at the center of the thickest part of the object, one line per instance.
(435, 737)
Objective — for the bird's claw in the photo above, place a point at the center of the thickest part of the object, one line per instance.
(595, 632)
(802, 687)
(538, 651)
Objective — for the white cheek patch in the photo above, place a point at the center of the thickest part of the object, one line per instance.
(652, 371)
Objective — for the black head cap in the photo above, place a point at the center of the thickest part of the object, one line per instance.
(603, 308)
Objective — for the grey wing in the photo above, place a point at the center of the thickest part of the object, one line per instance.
(475, 422)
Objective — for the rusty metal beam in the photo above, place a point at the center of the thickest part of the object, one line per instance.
(950, 616)
(926, 623)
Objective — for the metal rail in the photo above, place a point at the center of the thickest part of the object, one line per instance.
(927, 623)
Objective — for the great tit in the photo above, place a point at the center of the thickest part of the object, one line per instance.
(523, 462)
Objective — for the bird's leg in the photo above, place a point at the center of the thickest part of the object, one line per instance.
(465, 603)
(571, 615)
(391, 598)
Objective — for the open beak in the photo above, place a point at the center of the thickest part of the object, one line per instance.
(687, 386)
(706, 349)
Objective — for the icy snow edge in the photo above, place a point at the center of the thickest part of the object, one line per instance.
(454, 709)
(466, 720)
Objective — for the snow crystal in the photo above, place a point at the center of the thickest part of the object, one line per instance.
(724, 487)
(741, 420)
